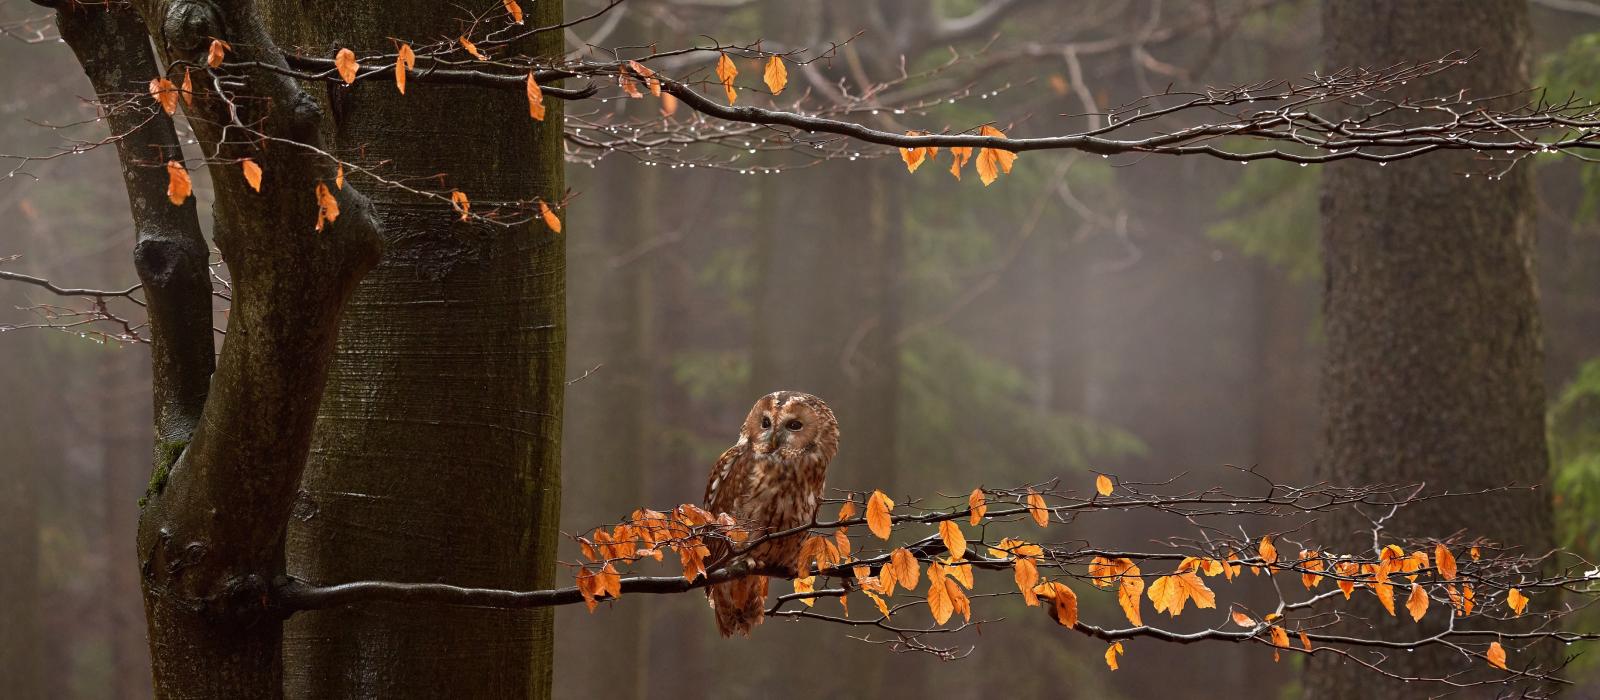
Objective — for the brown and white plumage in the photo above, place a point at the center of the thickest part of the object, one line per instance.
(770, 481)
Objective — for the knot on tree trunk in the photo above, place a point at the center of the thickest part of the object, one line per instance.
(189, 25)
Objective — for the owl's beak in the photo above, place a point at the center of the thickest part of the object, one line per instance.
(772, 440)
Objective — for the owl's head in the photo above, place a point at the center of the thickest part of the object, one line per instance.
(790, 424)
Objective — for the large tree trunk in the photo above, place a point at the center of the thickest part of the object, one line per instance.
(436, 456)
(1433, 356)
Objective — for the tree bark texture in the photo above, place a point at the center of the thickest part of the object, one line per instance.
(1433, 333)
(436, 457)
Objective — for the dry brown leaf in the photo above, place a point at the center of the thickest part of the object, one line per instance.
(515, 10)
(669, 104)
(458, 201)
(1497, 656)
(959, 156)
(905, 568)
(472, 48)
(1169, 593)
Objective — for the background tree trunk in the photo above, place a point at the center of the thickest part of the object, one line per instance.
(436, 456)
(1433, 357)
(21, 636)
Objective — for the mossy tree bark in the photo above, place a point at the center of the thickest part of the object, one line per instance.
(437, 448)
(1433, 361)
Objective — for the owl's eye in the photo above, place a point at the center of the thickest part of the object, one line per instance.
(794, 425)
(766, 422)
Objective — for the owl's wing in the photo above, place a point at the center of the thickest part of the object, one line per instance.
(722, 491)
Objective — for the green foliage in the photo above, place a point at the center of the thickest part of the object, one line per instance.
(1575, 460)
(1272, 215)
(969, 413)
(1574, 71)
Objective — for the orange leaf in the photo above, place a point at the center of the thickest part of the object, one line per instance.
(977, 506)
(692, 555)
(252, 173)
(471, 48)
(957, 571)
(669, 104)
(1445, 562)
(458, 201)
(1497, 656)
(1111, 655)
(402, 63)
(1347, 569)
(1475, 554)
(327, 206)
(1064, 604)
(1310, 561)
(1466, 599)
(1169, 593)
(939, 602)
(776, 76)
(1385, 593)
(1128, 595)
(1516, 600)
(958, 599)
(1026, 575)
(1280, 639)
(993, 161)
(535, 99)
(1417, 603)
(878, 507)
(549, 217)
(1243, 620)
(847, 511)
(649, 76)
(1269, 553)
(806, 584)
(188, 89)
(1305, 642)
(611, 581)
(959, 156)
(954, 541)
(165, 93)
(214, 55)
(338, 177)
(913, 156)
(1102, 485)
(1037, 509)
(514, 10)
(178, 185)
(588, 585)
(906, 570)
(882, 606)
(629, 87)
(726, 72)
(345, 61)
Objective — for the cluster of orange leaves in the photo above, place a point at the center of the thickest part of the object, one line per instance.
(991, 161)
(180, 187)
(775, 74)
(949, 579)
(649, 533)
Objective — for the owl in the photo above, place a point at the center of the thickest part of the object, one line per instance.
(769, 481)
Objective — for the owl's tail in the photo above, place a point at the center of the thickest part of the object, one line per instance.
(739, 604)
